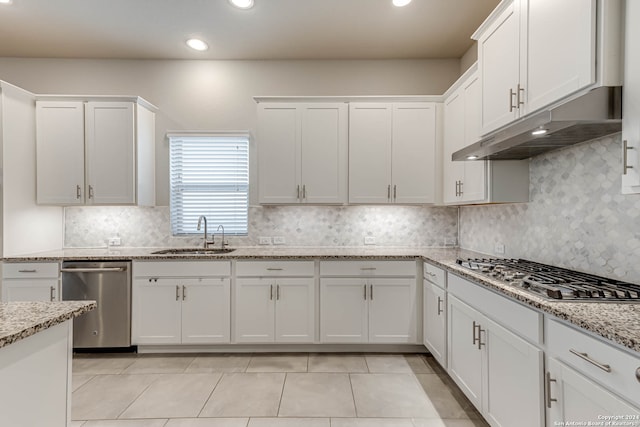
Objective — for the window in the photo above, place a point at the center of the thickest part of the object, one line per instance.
(209, 176)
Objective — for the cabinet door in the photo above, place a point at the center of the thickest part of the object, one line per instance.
(453, 172)
(324, 150)
(474, 180)
(60, 152)
(562, 33)
(295, 310)
(156, 311)
(435, 321)
(513, 373)
(254, 310)
(278, 153)
(370, 153)
(343, 310)
(465, 359)
(631, 101)
(498, 59)
(30, 290)
(413, 153)
(571, 396)
(206, 311)
(392, 311)
(110, 153)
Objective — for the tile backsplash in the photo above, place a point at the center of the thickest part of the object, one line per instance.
(414, 226)
(576, 218)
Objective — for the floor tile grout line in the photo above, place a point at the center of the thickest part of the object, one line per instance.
(353, 395)
(210, 394)
(282, 393)
(137, 397)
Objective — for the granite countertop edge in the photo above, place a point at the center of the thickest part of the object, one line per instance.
(19, 320)
(619, 323)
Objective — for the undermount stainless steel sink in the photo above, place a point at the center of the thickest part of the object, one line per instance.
(193, 251)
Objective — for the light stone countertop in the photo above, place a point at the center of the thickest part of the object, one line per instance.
(619, 323)
(20, 320)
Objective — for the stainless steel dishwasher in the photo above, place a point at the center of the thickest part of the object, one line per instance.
(108, 283)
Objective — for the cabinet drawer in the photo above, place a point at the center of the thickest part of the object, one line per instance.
(563, 342)
(28, 270)
(275, 268)
(181, 268)
(434, 274)
(520, 319)
(367, 268)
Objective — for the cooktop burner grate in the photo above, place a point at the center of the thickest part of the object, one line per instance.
(554, 283)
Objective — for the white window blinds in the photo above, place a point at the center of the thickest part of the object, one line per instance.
(210, 177)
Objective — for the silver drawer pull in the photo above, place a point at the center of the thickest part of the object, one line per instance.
(367, 268)
(53, 293)
(274, 269)
(440, 306)
(27, 271)
(638, 374)
(585, 356)
(548, 382)
(93, 270)
(431, 274)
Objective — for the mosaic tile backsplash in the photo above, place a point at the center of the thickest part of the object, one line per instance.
(576, 218)
(413, 226)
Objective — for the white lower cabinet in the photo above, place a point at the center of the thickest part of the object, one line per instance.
(572, 396)
(30, 282)
(180, 310)
(434, 326)
(367, 309)
(272, 304)
(498, 371)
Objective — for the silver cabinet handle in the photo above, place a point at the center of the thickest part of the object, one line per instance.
(28, 271)
(440, 306)
(460, 192)
(625, 153)
(477, 340)
(271, 292)
(93, 270)
(91, 191)
(367, 268)
(547, 384)
(431, 274)
(371, 292)
(457, 188)
(177, 293)
(585, 356)
(298, 192)
(53, 293)
(277, 292)
(395, 192)
(520, 101)
(78, 192)
(184, 292)
(511, 95)
(389, 192)
(304, 191)
(274, 269)
(365, 292)
(638, 374)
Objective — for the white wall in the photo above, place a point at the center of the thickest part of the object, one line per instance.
(26, 227)
(217, 95)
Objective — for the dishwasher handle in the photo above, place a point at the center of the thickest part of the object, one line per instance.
(93, 270)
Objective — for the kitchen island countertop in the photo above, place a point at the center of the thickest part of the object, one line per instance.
(619, 323)
(19, 320)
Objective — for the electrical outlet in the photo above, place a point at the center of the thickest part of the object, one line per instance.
(114, 241)
(369, 240)
(265, 240)
(278, 240)
(499, 248)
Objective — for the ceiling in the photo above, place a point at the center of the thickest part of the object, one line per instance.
(273, 29)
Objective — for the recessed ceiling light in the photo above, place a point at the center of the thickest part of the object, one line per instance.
(400, 3)
(538, 132)
(197, 44)
(244, 4)
(472, 157)
(6, 1)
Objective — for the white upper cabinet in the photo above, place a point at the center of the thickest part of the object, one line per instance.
(95, 152)
(532, 53)
(476, 181)
(302, 153)
(392, 152)
(631, 102)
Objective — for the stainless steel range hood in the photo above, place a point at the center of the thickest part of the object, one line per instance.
(593, 115)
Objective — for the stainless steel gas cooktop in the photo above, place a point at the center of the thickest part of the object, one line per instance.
(554, 283)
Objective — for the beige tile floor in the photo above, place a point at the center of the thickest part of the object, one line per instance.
(266, 390)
